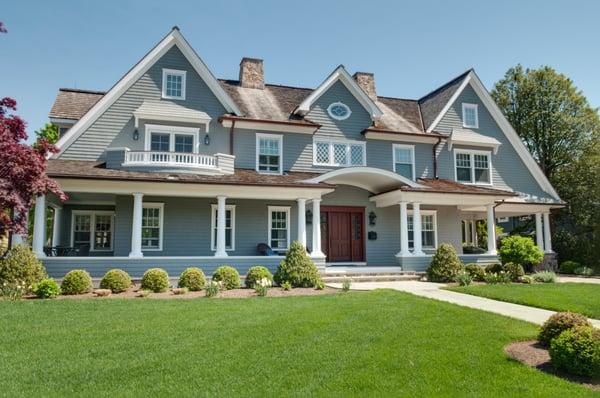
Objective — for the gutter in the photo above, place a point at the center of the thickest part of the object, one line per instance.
(231, 137)
(269, 121)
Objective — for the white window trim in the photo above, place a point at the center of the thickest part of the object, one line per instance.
(342, 105)
(92, 214)
(285, 209)
(213, 225)
(161, 216)
(466, 106)
(176, 72)
(412, 151)
(331, 157)
(472, 152)
(172, 131)
(435, 226)
(278, 137)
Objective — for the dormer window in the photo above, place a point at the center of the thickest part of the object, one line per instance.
(173, 85)
(339, 111)
(470, 116)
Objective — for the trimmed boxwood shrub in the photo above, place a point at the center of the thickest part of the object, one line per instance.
(155, 280)
(577, 351)
(116, 280)
(515, 271)
(193, 279)
(558, 323)
(257, 273)
(495, 268)
(476, 271)
(445, 264)
(76, 281)
(520, 250)
(569, 267)
(297, 268)
(21, 266)
(46, 288)
(584, 271)
(228, 275)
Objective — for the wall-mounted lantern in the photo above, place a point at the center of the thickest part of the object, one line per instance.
(136, 135)
(309, 216)
(206, 139)
(372, 218)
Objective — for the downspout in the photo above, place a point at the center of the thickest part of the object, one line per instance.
(435, 164)
(231, 137)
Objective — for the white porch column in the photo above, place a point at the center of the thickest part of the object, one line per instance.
(417, 238)
(547, 239)
(474, 232)
(221, 216)
(316, 229)
(56, 226)
(404, 251)
(16, 239)
(491, 230)
(539, 235)
(39, 226)
(302, 222)
(136, 227)
(466, 231)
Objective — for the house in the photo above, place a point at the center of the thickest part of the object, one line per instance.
(173, 167)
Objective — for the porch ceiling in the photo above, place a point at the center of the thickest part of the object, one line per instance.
(513, 209)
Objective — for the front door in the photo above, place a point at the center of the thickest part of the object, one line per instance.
(342, 233)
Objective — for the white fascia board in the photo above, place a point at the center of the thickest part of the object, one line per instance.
(433, 198)
(422, 138)
(451, 101)
(134, 74)
(340, 74)
(277, 128)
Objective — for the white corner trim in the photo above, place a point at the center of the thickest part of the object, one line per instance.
(342, 75)
(173, 38)
(173, 72)
(278, 137)
(213, 225)
(412, 155)
(451, 101)
(288, 222)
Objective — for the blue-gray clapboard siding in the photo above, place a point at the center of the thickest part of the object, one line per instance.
(508, 170)
(115, 127)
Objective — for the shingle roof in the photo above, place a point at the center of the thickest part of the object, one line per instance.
(73, 103)
(61, 168)
(277, 103)
(448, 186)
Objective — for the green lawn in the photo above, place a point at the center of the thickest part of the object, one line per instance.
(353, 344)
(579, 297)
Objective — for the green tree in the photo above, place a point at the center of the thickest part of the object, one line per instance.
(49, 132)
(552, 117)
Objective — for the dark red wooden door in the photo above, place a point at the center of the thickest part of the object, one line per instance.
(342, 233)
(340, 245)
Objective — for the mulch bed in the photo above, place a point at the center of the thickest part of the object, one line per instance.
(134, 292)
(533, 354)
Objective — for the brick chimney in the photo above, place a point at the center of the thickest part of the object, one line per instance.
(251, 73)
(366, 81)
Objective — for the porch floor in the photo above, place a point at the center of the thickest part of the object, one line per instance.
(350, 269)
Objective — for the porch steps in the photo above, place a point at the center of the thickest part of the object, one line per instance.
(338, 277)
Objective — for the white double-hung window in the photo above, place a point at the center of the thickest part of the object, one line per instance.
(269, 148)
(339, 153)
(470, 115)
(473, 167)
(177, 139)
(152, 226)
(404, 160)
(93, 228)
(279, 228)
(428, 229)
(173, 84)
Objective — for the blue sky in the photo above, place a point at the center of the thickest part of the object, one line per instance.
(412, 47)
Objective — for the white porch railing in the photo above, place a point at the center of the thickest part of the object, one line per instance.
(156, 158)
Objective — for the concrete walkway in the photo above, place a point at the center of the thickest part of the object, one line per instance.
(578, 279)
(434, 291)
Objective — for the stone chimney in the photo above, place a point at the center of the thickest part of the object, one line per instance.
(366, 81)
(251, 73)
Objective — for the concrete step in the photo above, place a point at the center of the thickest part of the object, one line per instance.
(352, 274)
(370, 278)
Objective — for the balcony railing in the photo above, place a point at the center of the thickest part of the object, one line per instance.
(179, 159)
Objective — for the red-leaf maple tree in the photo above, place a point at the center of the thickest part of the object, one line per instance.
(22, 171)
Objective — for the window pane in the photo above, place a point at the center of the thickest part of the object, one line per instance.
(102, 235)
(322, 152)
(356, 155)
(81, 229)
(184, 143)
(269, 155)
(174, 85)
(428, 238)
(481, 163)
(278, 230)
(463, 167)
(228, 228)
(403, 155)
(470, 116)
(151, 227)
(339, 154)
(159, 142)
(404, 170)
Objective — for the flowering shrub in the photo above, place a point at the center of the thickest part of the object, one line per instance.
(77, 281)
(46, 288)
(445, 264)
(544, 277)
(155, 280)
(193, 278)
(257, 273)
(496, 278)
(213, 288)
(116, 281)
(21, 267)
(463, 278)
(228, 275)
(261, 286)
(577, 351)
(13, 290)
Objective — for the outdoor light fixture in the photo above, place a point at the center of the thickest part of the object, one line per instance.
(206, 139)
(372, 218)
(308, 216)
(136, 135)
